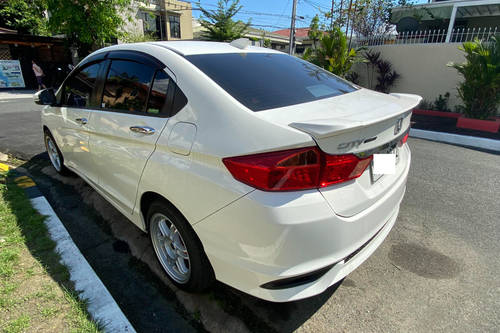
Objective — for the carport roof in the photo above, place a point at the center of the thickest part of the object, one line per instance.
(443, 10)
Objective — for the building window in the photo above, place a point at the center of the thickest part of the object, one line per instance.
(152, 25)
(175, 26)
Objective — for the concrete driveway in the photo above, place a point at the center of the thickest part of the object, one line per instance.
(437, 271)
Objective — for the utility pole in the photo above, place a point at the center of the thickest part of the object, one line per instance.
(331, 13)
(292, 29)
(348, 17)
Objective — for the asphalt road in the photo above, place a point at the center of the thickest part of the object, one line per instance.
(20, 127)
(437, 271)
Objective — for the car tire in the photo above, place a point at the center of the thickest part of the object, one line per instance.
(55, 155)
(178, 248)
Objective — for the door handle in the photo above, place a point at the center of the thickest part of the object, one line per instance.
(142, 129)
(81, 121)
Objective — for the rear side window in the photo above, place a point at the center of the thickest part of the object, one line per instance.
(158, 93)
(80, 86)
(263, 81)
(127, 86)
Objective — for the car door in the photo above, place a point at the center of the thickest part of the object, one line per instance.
(134, 111)
(77, 100)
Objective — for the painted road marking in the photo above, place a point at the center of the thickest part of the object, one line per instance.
(24, 182)
(4, 167)
(101, 305)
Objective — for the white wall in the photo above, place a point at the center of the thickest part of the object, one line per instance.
(422, 68)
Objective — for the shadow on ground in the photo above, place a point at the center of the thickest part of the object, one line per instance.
(149, 306)
(122, 257)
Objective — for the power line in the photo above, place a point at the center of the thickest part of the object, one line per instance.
(283, 11)
(316, 5)
(247, 13)
(268, 26)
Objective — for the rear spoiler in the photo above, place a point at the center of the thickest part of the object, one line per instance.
(324, 128)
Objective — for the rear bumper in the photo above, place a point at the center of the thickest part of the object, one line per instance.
(263, 237)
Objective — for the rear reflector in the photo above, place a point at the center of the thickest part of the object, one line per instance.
(295, 169)
(297, 280)
(404, 139)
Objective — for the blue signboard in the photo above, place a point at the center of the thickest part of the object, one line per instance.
(11, 75)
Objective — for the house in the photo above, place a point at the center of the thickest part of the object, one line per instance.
(451, 16)
(302, 41)
(161, 19)
(50, 53)
(257, 36)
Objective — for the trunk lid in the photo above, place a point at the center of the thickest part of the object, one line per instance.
(363, 122)
(350, 123)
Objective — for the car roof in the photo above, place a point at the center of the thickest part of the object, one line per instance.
(186, 48)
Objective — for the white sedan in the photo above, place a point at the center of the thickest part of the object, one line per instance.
(243, 164)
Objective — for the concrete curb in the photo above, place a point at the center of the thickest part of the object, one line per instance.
(101, 305)
(462, 140)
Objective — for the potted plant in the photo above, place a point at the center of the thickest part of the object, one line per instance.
(438, 108)
(480, 90)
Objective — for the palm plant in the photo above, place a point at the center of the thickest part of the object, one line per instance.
(386, 76)
(333, 53)
(480, 90)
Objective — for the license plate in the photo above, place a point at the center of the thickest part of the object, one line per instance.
(377, 171)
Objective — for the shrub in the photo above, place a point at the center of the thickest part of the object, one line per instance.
(480, 90)
(333, 53)
(441, 102)
(386, 76)
(426, 105)
(353, 77)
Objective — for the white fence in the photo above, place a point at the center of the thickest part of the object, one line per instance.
(458, 35)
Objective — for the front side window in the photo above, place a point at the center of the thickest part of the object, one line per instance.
(262, 81)
(80, 86)
(175, 26)
(158, 94)
(127, 86)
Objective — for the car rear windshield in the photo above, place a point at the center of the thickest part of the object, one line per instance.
(262, 81)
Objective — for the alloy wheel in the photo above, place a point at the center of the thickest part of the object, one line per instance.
(170, 248)
(53, 153)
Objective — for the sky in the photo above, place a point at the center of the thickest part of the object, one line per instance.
(274, 14)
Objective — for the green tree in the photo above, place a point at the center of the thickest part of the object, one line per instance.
(87, 23)
(480, 90)
(219, 23)
(136, 37)
(25, 16)
(333, 53)
(314, 32)
(371, 17)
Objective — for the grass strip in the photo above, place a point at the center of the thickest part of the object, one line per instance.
(36, 294)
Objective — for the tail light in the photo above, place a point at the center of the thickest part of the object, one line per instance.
(404, 139)
(295, 169)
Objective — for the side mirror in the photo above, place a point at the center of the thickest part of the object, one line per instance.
(45, 97)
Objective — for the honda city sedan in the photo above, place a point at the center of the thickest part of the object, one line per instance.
(243, 164)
